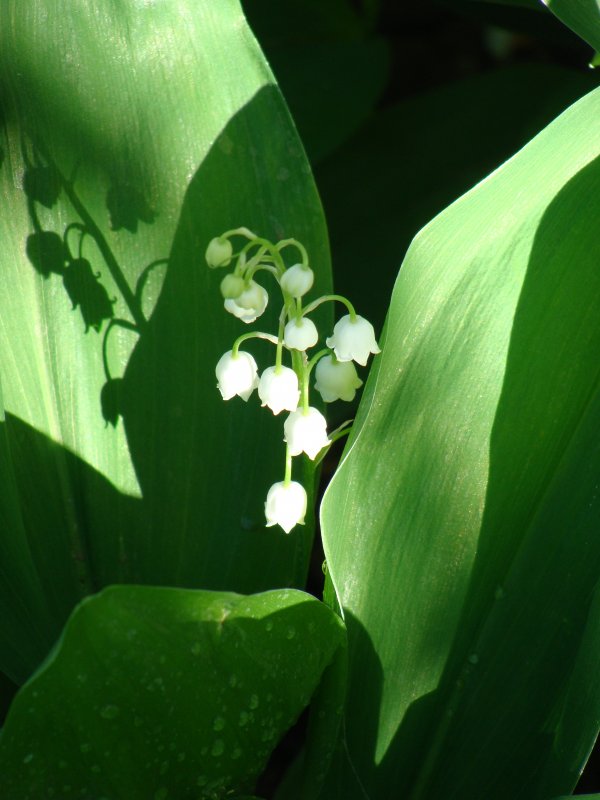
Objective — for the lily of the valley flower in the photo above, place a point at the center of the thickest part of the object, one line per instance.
(297, 280)
(278, 389)
(232, 286)
(219, 252)
(236, 374)
(286, 505)
(250, 304)
(300, 334)
(353, 340)
(336, 380)
(306, 432)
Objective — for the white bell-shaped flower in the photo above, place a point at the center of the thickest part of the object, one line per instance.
(286, 505)
(278, 389)
(300, 334)
(306, 432)
(219, 252)
(336, 380)
(297, 280)
(353, 340)
(236, 374)
(250, 304)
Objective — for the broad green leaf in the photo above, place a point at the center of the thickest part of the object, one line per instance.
(156, 126)
(159, 692)
(461, 527)
(582, 16)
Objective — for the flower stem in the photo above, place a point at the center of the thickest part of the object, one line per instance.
(252, 335)
(279, 356)
(288, 466)
(298, 245)
(305, 383)
(331, 297)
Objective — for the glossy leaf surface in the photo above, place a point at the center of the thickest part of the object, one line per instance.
(132, 134)
(157, 693)
(467, 563)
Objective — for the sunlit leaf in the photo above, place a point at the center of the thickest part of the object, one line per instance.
(461, 528)
(132, 134)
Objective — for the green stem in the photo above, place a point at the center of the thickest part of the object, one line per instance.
(327, 298)
(279, 356)
(241, 231)
(305, 383)
(288, 466)
(252, 335)
(298, 245)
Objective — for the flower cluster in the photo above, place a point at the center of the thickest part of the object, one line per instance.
(280, 387)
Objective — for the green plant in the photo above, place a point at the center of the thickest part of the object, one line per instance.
(158, 630)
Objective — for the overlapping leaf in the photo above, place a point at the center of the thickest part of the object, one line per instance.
(467, 562)
(156, 692)
(133, 133)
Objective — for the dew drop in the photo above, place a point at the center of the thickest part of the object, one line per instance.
(96, 769)
(290, 633)
(180, 757)
(473, 658)
(233, 681)
(196, 648)
(28, 758)
(161, 794)
(236, 753)
(253, 701)
(218, 748)
(110, 712)
(218, 724)
(163, 768)
(244, 717)
(85, 747)
(269, 625)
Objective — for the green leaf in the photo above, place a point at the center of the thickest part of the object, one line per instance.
(582, 16)
(159, 692)
(155, 127)
(466, 563)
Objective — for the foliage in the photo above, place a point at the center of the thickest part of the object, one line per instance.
(156, 627)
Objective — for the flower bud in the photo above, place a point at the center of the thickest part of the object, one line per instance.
(236, 374)
(250, 304)
(219, 252)
(297, 280)
(353, 340)
(300, 334)
(286, 505)
(278, 389)
(336, 380)
(232, 286)
(306, 432)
